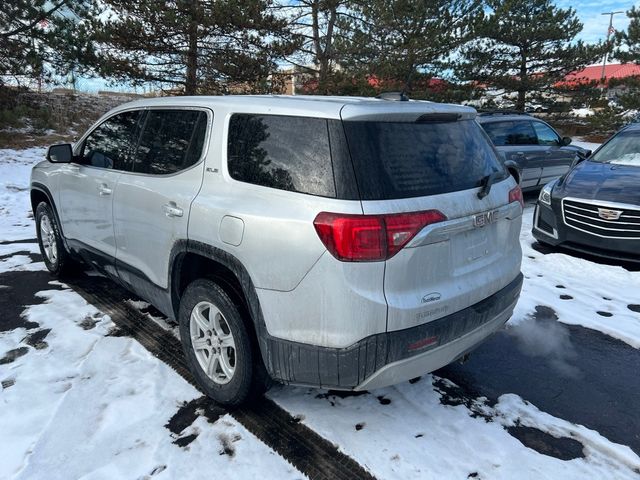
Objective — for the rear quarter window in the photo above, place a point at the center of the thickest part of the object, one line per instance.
(511, 133)
(282, 152)
(171, 141)
(401, 159)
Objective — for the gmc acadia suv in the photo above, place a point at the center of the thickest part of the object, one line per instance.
(344, 243)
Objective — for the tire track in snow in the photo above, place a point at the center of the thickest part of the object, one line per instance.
(310, 453)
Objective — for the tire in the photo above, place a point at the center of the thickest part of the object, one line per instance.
(208, 316)
(55, 256)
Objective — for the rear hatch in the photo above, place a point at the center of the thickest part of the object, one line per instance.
(424, 157)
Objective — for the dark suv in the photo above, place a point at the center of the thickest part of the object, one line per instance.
(539, 153)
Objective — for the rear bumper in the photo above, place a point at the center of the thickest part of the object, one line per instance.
(392, 357)
(412, 367)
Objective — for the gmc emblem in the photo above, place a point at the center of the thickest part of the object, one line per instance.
(485, 218)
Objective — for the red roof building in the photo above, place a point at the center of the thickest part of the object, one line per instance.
(594, 73)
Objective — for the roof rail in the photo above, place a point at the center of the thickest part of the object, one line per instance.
(393, 96)
(501, 112)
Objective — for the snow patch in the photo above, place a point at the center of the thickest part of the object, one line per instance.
(20, 263)
(16, 217)
(92, 406)
(420, 433)
(582, 112)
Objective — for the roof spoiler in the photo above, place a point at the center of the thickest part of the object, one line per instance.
(438, 117)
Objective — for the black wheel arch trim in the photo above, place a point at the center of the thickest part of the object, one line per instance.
(182, 247)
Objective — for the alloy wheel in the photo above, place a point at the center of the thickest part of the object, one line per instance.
(213, 342)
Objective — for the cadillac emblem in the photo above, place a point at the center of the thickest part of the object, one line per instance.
(607, 214)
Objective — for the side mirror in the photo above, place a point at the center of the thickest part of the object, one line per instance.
(580, 157)
(61, 153)
(565, 141)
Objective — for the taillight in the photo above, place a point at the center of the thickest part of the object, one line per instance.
(516, 195)
(368, 238)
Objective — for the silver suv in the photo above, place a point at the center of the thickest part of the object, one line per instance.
(337, 242)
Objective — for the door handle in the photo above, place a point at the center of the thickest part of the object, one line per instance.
(172, 210)
(104, 190)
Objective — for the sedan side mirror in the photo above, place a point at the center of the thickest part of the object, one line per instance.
(61, 153)
(580, 157)
(565, 141)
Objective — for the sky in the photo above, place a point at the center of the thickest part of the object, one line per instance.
(589, 13)
(595, 24)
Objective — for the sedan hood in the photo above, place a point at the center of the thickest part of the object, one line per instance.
(602, 181)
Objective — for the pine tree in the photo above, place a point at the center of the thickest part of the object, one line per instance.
(40, 38)
(626, 47)
(525, 46)
(394, 43)
(629, 42)
(191, 46)
(316, 24)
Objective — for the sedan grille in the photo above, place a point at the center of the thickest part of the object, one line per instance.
(602, 220)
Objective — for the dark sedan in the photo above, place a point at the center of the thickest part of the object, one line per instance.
(595, 207)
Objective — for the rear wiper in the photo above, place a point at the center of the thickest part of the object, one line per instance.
(487, 182)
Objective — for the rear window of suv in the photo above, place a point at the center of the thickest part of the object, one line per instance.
(282, 152)
(401, 160)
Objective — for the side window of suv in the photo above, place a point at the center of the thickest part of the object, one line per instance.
(546, 135)
(110, 144)
(171, 140)
(283, 152)
(512, 132)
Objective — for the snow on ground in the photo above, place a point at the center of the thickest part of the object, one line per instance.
(407, 432)
(20, 263)
(87, 405)
(15, 257)
(582, 112)
(578, 142)
(16, 219)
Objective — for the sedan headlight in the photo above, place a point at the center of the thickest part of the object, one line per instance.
(545, 193)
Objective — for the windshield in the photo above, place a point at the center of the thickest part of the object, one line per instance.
(401, 159)
(623, 149)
